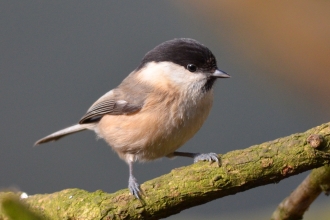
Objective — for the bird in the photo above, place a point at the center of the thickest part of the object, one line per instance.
(157, 108)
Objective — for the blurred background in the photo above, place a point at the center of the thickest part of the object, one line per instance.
(58, 57)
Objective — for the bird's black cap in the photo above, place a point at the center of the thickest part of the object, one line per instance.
(182, 51)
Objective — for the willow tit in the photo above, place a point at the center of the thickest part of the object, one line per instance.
(157, 107)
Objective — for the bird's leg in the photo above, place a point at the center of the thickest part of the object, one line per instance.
(196, 156)
(133, 185)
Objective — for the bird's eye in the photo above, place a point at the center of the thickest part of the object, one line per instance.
(191, 67)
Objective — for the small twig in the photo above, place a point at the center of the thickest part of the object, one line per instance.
(294, 206)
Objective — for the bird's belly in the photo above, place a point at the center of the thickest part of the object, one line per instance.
(148, 135)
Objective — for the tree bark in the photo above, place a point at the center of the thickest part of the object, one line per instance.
(294, 206)
(193, 185)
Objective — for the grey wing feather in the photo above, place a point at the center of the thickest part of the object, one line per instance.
(110, 106)
(127, 98)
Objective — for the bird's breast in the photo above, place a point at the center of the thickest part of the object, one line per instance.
(164, 124)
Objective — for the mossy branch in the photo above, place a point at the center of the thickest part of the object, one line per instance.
(193, 185)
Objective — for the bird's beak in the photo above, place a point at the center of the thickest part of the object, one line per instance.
(220, 74)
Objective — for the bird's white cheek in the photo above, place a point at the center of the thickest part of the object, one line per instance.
(152, 74)
(165, 74)
(184, 78)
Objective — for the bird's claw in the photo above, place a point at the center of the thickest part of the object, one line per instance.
(134, 187)
(206, 157)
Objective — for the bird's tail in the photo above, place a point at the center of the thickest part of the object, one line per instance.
(64, 132)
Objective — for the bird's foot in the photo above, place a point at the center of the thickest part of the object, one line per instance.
(208, 157)
(134, 187)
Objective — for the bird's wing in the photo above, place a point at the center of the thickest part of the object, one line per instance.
(127, 98)
(112, 107)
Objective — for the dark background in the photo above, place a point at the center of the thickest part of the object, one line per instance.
(57, 58)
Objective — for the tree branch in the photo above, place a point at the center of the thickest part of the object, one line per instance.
(294, 206)
(193, 185)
